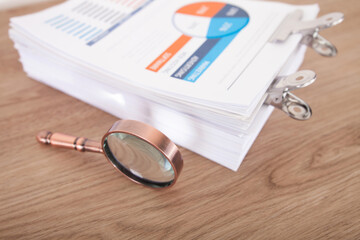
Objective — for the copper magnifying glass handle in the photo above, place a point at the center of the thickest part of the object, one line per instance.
(139, 151)
(81, 144)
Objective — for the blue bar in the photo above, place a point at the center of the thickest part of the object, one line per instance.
(77, 27)
(66, 23)
(70, 26)
(93, 35)
(195, 58)
(82, 30)
(53, 19)
(116, 25)
(55, 23)
(88, 32)
(200, 68)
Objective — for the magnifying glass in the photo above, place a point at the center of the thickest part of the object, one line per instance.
(139, 151)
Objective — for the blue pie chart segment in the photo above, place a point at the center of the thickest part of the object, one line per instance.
(220, 27)
(229, 11)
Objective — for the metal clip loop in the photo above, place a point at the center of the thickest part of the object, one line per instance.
(280, 97)
(310, 31)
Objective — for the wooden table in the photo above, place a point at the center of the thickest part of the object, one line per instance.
(300, 180)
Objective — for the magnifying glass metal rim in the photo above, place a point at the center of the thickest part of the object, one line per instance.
(140, 130)
(153, 137)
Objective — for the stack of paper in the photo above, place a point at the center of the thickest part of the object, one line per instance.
(197, 71)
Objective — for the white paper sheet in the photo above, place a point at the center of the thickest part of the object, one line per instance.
(126, 47)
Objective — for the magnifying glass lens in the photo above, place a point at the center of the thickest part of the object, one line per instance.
(139, 160)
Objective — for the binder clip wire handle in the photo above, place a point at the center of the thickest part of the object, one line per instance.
(279, 94)
(312, 38)
(320, 45)
(310, 31)
(295, 107)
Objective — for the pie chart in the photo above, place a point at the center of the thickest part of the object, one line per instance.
(210, 19)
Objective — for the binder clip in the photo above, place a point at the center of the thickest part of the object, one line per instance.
(310, 31)
(279, 95)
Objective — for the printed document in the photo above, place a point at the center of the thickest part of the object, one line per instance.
(188, 50)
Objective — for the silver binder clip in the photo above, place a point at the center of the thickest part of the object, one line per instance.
(279, 94)
(310, 31)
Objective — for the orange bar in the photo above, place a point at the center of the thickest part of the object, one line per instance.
(160, 61)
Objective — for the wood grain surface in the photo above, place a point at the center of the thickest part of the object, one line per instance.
(300, 180)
